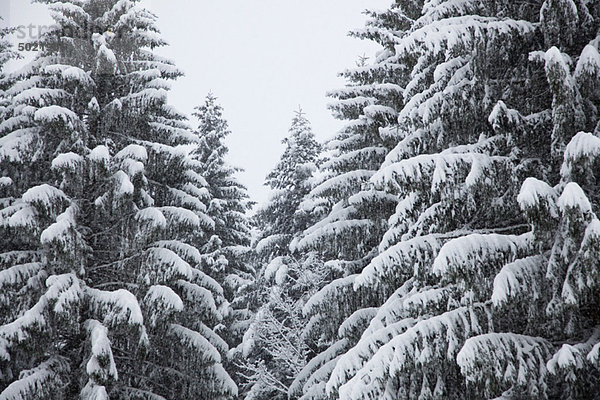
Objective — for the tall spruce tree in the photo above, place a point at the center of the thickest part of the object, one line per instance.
(274, 350)
(351, 214)
(104, 290)
(489, 263)
(227, 248)
(281, 218)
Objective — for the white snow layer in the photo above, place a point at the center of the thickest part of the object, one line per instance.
(39, 379)
(588, 63)
(117, 307)
(535, 192)
(517, 278)
(43, 195)
(573, 197)
(205, 351)
(56, 113)
(161, 300)
(101, 365)
(69, 161)
(100, 154)
(462, 255)
(524, 357)
(60, 232)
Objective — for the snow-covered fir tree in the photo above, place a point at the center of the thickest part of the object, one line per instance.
(489, 263)
(290, 181)
(104, 213)
(351, 213)
(274, 350)
(227, 248)
(446, 247)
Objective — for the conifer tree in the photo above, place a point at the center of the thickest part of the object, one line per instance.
(227, 248)
(104, 211)
(487, 263)
(273, 350)
(281, 218)
(351, 214)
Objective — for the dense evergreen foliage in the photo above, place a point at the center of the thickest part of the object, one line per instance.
(274, 348)
(105, 214)
(227, 248)
(487, 282)
(444, 244)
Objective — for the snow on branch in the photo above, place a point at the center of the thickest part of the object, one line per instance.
(201, 299)
(333, 230)
(40, 96)
(342, 182)
(204, 280)
(123, 184)
(411, 350)
(117, 307)
(588, 64)
(477, 257)
(20, 214)
(17, 144)
(39, 382)
(518, 279)
(20, 330)
(449, 33)
(163, 265)
(438, 170)
(45, 197)
(134, 152)
(101, 367)
(583, 148)
(65, 293)
(428, 301)
(508, 358)
(583, 277)
(573, 198)
(184, 217)
(267, 244)
(161, 301)
(594, 355)
(151, 217)
(434, 10)
(355, 323)
(535, 193)
(401, 312)
(194, 341)
(214, 339)
(393, 309)
(187, 252)
(100, 154)
(504, 117)
(54, 113)
(570, 358)
(62, 232)
(191, 201)
(328, 294)
(319, 378)
(354, 359)
(401, 260)
(91, 391)
(19, 273)
(70, 73)
(67, 161)
(314, 364)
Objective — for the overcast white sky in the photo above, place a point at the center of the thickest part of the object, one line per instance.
(261, 58)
